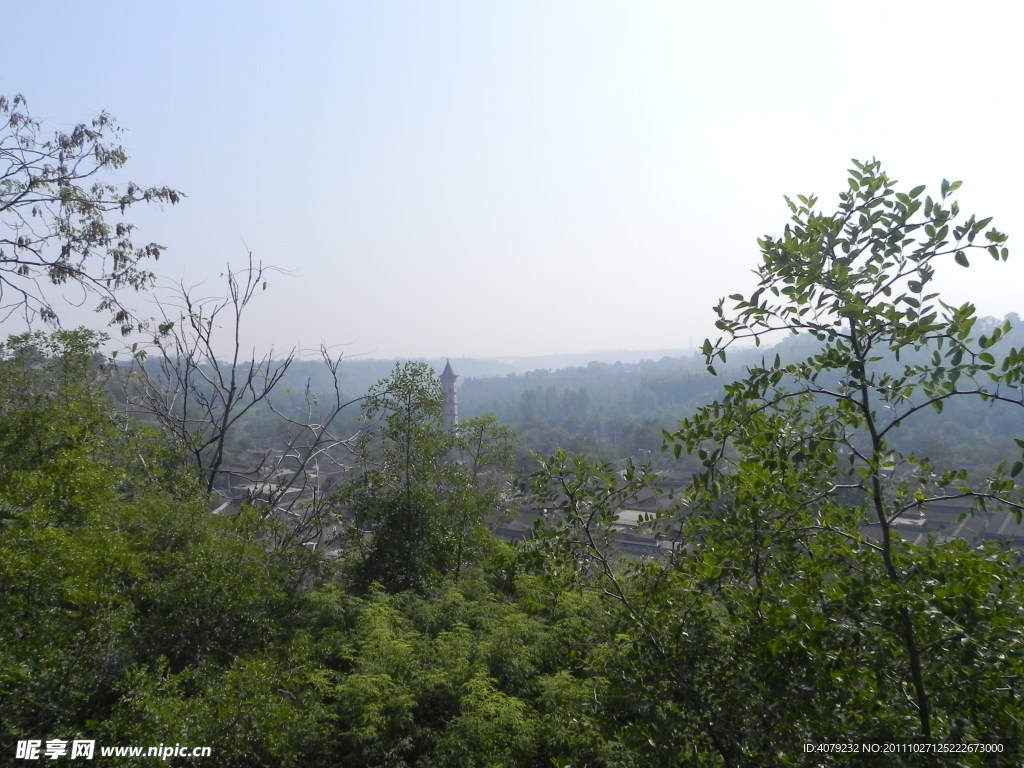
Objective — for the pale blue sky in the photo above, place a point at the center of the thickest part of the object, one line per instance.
(501, 178)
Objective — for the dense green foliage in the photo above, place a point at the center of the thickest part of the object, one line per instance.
(132, 616)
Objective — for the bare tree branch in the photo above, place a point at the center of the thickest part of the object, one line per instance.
(201, 400)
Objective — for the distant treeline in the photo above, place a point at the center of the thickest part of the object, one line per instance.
(612, 410)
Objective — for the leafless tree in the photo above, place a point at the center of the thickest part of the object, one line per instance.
(200, 400)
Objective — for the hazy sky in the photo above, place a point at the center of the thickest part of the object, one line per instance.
(499, 178)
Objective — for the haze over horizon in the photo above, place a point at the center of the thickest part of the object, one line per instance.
(461, 179)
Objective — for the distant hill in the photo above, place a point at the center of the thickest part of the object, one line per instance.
(360, 373)
(372, 369)
(558, 362)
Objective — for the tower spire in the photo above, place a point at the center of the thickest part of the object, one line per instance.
(451, 405)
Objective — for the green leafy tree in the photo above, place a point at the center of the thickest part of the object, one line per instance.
(399, 531)
(790, 610)
(127, 611)
(63, 615)
(56, 215)
(492, 729)
(423, 491)
(799, 457)
(479, 489)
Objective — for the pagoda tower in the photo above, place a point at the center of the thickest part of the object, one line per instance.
(451, 405)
